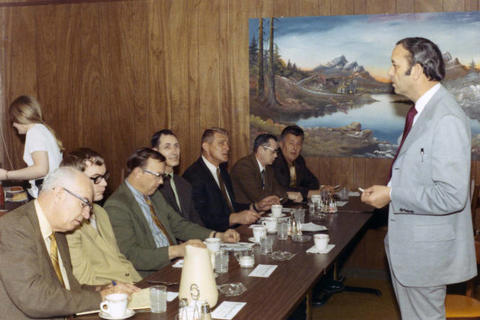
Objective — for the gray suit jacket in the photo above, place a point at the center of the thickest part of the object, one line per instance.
(29, 286)
(430, 235)
(134, 236)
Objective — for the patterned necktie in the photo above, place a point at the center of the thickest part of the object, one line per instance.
(54, 257)
(293, 175)
(224, 190)
(408, 126)
(156, 220)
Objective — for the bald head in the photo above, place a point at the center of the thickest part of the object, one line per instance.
(66, 198)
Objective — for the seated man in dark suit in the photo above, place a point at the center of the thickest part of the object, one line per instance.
(35, 269)
(175, 189)
(290, 168)
(212, 188)
(145, 226)
(253, 176)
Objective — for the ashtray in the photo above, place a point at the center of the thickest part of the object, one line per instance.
(232, 289)
(281, 255)
(301, 238)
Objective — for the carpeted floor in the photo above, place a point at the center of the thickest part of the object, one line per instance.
(358, 306)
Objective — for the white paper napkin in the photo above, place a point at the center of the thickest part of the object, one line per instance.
(312, 227)
(327, 250)
(354, 194)
(263, 271)
(227, 310)
(341, 203)
(236, 246)
(178, 264)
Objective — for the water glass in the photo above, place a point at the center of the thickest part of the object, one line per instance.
(266, 245)
(158, 298)
(282, 230)
(221, 261)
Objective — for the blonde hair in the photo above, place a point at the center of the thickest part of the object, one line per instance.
(27, 110)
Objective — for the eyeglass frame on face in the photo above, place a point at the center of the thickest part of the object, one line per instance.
(156, 174)
(271, 149)
(98, 179)
(85, 202)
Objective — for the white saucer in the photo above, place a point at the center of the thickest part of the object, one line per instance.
(252, 239)
(280, 216)
(127, 314)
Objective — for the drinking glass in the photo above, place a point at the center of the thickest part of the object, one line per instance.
(158, 298)
(221, 261)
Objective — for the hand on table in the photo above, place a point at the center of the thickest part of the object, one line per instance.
(266, 203)
(119, 287)
(295, 196)
(376, 196)
(230, 235)
(178, 250)
(244, 217)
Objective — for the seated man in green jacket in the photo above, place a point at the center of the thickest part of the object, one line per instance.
(145, 226)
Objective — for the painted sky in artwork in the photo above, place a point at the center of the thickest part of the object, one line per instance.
(369, 39)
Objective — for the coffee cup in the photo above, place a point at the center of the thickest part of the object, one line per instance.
(115, 305)
(213, 244)
(270, 224)
(277, 210)
(259, 231)
(321, 241)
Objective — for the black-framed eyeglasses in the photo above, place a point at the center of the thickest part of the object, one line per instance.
(271, 149)
(156, 174)
(85, 202)
(98, 179)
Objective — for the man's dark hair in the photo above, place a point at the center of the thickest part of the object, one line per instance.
(140, 156)
(78, 159)
(295, 130)
(262, 139)
(427, 55)
(157, 135)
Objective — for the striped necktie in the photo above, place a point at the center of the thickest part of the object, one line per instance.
(156, 220)
(54, 257)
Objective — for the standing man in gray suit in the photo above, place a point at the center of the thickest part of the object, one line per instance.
(430, 237)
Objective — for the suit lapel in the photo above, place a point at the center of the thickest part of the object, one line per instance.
(422, 121)
(258, 174)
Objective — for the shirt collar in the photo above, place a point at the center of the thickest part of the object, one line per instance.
(135, 192)
(210, 165)
(45, 227)
(260, 165)
(425, 98)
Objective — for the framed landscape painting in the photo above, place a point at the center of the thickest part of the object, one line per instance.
(329, 75)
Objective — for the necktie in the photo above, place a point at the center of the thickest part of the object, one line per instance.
(408, 125)
(262, 173)
(156, 220)
(54, 257)
(224, 190)
(293, 175)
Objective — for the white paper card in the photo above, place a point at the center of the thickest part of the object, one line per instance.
(171, 296)
(178, 264)
(227, 310)
(341, 203)
(354, 194)
(263, 271)
(327, 250)
(312, 227)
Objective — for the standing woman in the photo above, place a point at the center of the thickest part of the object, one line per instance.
(43, 151)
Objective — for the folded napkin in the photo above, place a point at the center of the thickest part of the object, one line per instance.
(178, 264)
(312, 227)
(327, 250)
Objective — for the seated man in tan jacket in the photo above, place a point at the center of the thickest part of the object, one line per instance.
(95, 256)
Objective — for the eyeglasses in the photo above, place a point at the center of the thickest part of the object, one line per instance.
(98, 179)
(85, 202)
(156, 174)
(271, 149)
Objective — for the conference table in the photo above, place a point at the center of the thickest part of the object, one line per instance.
(277, 296)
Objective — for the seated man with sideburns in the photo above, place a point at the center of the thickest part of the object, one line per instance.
(96, 258)
(145, 226)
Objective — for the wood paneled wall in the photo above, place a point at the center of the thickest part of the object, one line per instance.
(110, 73)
